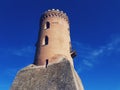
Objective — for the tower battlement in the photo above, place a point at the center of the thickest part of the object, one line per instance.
(54, 13)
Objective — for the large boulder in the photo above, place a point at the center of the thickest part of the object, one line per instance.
(57, 76)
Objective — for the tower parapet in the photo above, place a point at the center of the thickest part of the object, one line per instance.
(54, 13)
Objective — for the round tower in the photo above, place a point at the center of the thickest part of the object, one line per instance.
(54, 38)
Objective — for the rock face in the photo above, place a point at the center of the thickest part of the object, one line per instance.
(57, 76)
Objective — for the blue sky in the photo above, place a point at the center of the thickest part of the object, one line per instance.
(95, 35)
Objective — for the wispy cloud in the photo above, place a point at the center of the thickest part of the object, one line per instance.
(25, 51)
(88, 57)
(87, 63)
(11, 72)
(22, 51)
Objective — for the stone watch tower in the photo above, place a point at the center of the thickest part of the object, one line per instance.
(54, 38)
(53, 64)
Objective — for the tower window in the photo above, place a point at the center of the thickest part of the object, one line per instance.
(46, 63)
(45, 41)
(47, 25)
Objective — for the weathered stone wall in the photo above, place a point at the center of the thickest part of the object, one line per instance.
(57, 76)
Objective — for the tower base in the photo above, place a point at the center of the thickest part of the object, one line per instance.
(57, 76)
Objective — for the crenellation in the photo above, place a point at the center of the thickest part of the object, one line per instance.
(54, 13)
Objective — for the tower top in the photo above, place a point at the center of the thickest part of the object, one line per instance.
(54, 13)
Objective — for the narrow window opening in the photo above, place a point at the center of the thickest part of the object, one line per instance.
(47, 25)
(45, 40)
(46, 63)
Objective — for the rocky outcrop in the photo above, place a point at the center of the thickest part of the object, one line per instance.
(57, 76)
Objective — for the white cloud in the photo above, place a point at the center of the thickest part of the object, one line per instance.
(25, 51)
(97, 52)
(89, 56)
(11, 72)
(87, 63)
